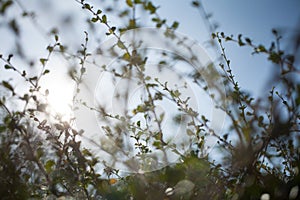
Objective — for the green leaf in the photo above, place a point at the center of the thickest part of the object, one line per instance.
(275, 57)
(213, 35)
(204, 118)
(43, 61)
(112, 30)
(39, 152)
(196, 4)
(132, 23)
(121, 45)
(189, 132)
(7, 85)
(50, 49)
(82, 70)
(5, 6)
(48, 166)
(99, 12)
(94, 19)
(261, 48)
(175, 93)
(87, 6)
(2, 128)
(9, 57)
(86, 152)
(240, 41)
(46, 71)
(104, 19)
(129, 3)
(151, 8)
(248, 40)
(126, 56)
(157, 144)
(175, 25)
(8, 66)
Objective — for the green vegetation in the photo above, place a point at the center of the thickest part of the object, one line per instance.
(46, 156)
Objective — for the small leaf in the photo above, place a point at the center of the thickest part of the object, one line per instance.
(112, 30)
(33, 79)
(86, 152)
(99, 12)
(87, 6)
(261, 48)
(129, 3)
(121, 45)
(9, 57)
(50, 49)
(241, 43)
(248, 40)
(228, 38)
(213, 35)
(189, 132)
(126, 56)
(48, 166)
(175, 93)
(8, 66)
(94, 19)
(43, 61)
(5, 5)
(274, 31)
(104, 19)
(46, 71)
(82, 70)
(151, 8)
(196, 4)
(132, 23)
(8, 86)
(175, 25)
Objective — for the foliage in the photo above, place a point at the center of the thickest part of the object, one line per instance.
(44, 156)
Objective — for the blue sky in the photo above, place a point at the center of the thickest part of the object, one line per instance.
(254, 19)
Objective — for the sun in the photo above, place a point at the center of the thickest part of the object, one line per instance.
(60, 103)
(60, 98)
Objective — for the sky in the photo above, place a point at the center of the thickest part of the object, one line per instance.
(254, 19)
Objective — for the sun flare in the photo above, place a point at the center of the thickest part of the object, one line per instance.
(60, 100)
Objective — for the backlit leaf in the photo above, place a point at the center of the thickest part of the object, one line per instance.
(104, 19)
(129, 3)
